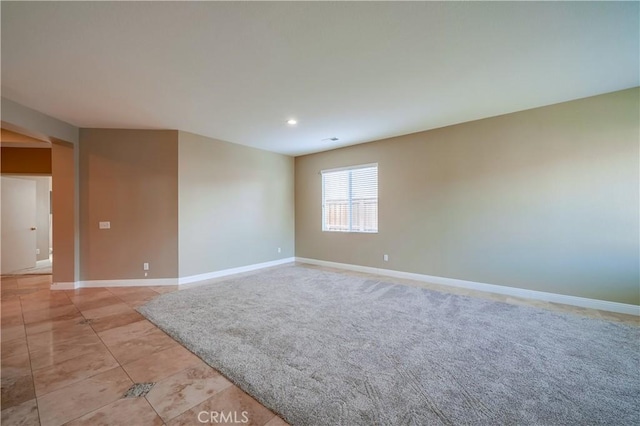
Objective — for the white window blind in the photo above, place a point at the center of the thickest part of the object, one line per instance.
(350, 199)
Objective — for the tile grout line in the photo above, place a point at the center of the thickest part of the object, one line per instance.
(177, 372)
(110, 353)
(186, 368)
(197, 403)
(68, 294)
(88, 377)
(121, 366)
(152, 407)
(26, 340)
(145, 396)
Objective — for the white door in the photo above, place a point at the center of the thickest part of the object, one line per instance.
(18, 235)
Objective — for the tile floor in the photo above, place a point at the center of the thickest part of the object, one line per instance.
(68, 357)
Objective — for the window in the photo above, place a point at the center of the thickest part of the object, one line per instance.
(350, 199)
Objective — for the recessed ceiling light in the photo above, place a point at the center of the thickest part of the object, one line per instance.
(292, 122)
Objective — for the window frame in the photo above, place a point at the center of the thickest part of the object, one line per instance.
(350, 189)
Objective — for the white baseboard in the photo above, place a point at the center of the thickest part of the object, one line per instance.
(603, 305)
(143, 282)
(43, 263)
(223, 273)
(64, 286)
(146, 282)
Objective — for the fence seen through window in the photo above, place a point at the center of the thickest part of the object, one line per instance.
(350, 199)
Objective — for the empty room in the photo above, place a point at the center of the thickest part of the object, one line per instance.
(320, 213)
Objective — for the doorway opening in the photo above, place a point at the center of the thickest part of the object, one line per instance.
(26, 225)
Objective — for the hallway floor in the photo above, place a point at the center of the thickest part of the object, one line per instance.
(69, 357)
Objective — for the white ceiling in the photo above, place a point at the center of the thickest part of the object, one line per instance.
(358, 71)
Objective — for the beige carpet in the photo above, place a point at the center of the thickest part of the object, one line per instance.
(324, 348)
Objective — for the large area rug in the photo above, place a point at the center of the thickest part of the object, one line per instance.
(324, 348)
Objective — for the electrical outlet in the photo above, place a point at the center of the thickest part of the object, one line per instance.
(104, 225)
(279, 250)
(385, 257)
(145, 266)
(37, 251)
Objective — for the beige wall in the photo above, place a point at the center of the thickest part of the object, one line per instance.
(64, 223)
(130, 178)
(545, 199)
(236, 205)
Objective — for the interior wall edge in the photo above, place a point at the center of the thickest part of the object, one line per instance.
(36, 124)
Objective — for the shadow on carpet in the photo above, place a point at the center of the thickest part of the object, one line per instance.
(323, 348)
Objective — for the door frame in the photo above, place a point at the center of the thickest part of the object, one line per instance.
(65, 182)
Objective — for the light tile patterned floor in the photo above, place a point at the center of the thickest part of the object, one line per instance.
(68, 357)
